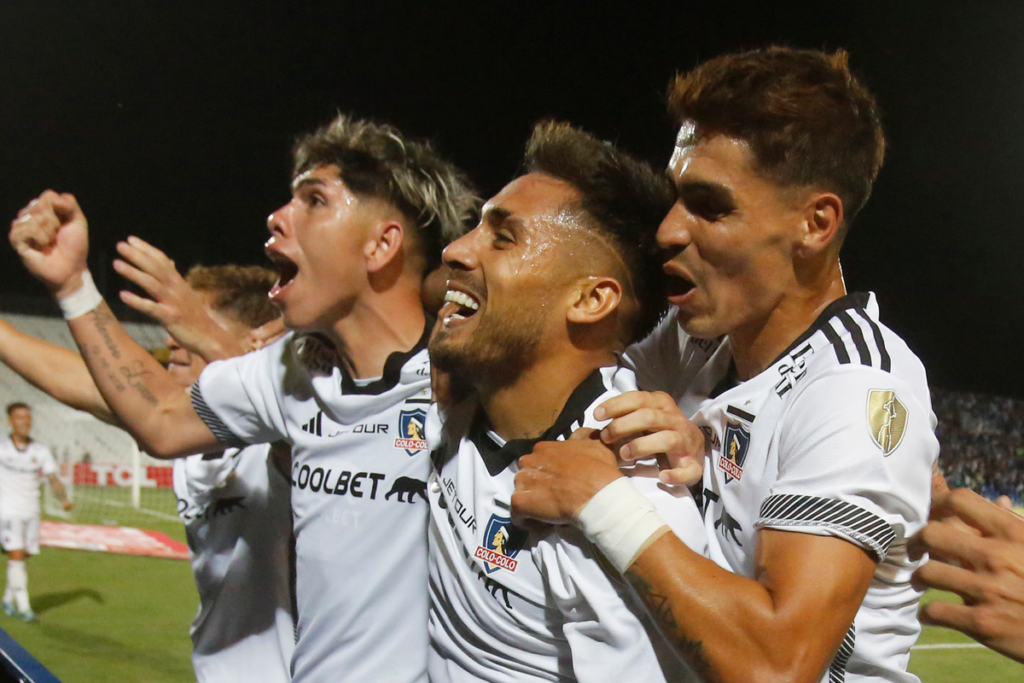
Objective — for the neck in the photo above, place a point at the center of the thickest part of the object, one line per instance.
(530, 404)
(20, 441)
(755, 347)
(379, 324)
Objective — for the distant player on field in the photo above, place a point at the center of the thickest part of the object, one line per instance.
(815, 418)
(235, 503)
(23, 462)
(544, 293)
(369, 212)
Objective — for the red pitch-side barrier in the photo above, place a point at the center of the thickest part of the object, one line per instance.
(111, 539)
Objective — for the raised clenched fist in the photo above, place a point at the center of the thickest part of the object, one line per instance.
(51, 236)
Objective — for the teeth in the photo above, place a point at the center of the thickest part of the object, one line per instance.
(461, 299)
(453, 316)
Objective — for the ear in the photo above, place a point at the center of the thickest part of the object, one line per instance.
(824, 219)
(384, 244)
(596, 297)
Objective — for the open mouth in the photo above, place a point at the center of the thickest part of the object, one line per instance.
(457, 307)
(286, 271)
(678, 286)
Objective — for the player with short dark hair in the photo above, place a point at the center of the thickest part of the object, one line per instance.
(349, 393)
(815, 418)
(543, 294)
(23, 462)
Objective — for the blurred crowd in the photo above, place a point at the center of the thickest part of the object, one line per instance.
(982, 443)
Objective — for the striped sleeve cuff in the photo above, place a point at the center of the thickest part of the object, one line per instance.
(220, 430)
(856, 523)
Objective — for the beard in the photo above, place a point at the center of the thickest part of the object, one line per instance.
(501, 347)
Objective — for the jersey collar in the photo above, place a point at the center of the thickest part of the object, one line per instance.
(392, 367)
(855, 300)
(497, 457)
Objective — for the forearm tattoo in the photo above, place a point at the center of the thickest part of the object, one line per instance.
(131, 372)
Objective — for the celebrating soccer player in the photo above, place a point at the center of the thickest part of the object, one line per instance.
(368, 213)
(815, 418)
(235, 503)
(22, 461)
(552, 284)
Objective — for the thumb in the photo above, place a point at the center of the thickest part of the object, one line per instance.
(66, 208)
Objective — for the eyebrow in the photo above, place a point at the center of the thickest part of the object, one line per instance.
(497, 215)
(709, 189)
(305, 182)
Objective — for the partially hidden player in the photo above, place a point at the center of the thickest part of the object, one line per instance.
(543, 295)
(369, 212)
(815, 418)
(235, 502)
(23, 461)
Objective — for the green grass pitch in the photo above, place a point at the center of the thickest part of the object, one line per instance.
(122, 618)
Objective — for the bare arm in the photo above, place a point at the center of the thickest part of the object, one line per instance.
(784, 625)
(58, 372)
(58, 490)
(51, 237)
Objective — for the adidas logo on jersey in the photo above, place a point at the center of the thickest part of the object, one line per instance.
(315, 426)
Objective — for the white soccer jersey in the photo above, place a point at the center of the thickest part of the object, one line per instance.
(511, 605)
(834, 438)
(21, 471)
(237, 515)
(359, 471)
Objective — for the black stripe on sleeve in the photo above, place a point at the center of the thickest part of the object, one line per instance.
(859, 524)
(879, 341)
(858, 337)
(837, 343)
(837, 671)
(216, 425)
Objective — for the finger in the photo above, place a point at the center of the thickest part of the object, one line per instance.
(144, 305)
(637, 423)
(628, 402)
(979, 513)
(665, 441)
(946, 542)
(1004, 502)
(936, 574)
(584, 433)
(687, 473)
(153, 287)
(140, 259)
(64, 206)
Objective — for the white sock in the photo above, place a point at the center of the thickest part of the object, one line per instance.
(17, 583)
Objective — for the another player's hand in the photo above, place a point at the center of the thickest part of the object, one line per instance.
(267, 333)
(176, 306)
(986, 570)
(559, 477)
(67, 504)
(648, 424)
(52, 237)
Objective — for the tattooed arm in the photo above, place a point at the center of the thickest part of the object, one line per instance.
(784, 624)
(51, 236)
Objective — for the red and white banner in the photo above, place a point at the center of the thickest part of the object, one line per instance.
(107, 474)
(122, 540)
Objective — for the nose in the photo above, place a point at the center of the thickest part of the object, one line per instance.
(461, 254)
(676, 229)
(279, 222)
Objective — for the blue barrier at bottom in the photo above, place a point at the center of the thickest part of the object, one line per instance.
(18, 666)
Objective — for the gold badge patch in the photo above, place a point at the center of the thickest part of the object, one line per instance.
(887, 419)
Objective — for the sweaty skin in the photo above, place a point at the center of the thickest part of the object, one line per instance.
(762, 265)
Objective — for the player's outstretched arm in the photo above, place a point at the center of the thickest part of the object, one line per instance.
(730, 628)
(983, 563)
(51, 236)
(175, 305)
(54, 370)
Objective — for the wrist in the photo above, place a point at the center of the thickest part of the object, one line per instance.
(621, 522)
(78, 295)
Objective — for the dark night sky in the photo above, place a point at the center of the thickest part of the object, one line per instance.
(173, 121)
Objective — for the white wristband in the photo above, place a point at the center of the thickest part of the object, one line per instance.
(82, 300)
(620, 522)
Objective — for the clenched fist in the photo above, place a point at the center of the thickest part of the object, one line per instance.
(51, 235)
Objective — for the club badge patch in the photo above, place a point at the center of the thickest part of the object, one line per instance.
(412, 437)
(502, 542)
(887, 419)
(734, 451)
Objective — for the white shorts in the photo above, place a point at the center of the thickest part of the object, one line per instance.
(20, 534)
